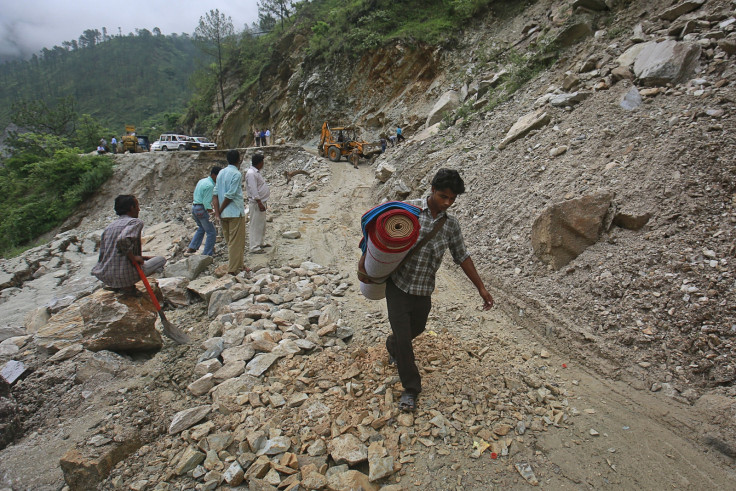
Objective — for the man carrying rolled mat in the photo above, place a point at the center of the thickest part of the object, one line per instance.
(409, 288)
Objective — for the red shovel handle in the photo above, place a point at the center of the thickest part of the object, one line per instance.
(148, 286)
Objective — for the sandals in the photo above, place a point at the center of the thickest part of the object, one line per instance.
(408, 402)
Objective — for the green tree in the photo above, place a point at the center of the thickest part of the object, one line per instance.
(213, 35)
(40, 186)
(37, 115)
(279, 8)
(89, 132)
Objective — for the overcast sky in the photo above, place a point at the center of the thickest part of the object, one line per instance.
(26, 26)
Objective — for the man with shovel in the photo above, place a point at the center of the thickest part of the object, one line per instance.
(121, 264)
(120, 248)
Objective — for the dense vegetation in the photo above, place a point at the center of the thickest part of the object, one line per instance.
(119, 80)
(41, 184)
(44, 175)
(337, 30)
(70, 96)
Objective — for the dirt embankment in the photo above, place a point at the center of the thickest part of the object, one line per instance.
(488, 379)
(630, 345)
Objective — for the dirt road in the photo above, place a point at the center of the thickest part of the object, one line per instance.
(615, 436)
(492, 385)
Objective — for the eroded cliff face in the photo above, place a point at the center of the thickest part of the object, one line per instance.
(638, 103)
(294, 97)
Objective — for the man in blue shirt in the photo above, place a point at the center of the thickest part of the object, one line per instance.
(232, 211)
(399, 135)
(203, 204)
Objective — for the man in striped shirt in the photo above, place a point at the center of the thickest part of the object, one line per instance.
(120, 247)
(409, 288)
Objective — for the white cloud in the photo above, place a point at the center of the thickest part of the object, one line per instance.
(27, 26)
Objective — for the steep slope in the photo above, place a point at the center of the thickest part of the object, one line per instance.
(653, 306)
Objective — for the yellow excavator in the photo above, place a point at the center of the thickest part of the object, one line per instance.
(133, 143)
(336, 142)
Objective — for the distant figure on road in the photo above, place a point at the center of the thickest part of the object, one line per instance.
(100, 149)
(205, 202)
(355, 158)
(256, 137)
(120, 247)
(263, 138)
(268, 136)
(399, 135)
(114, 143)
(258, 194)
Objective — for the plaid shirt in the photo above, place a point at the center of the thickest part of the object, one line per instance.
(113, 267)
(416, 276)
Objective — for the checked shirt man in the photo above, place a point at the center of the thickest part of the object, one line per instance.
(409, 288)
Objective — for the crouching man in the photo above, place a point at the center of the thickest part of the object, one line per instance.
(120, 247)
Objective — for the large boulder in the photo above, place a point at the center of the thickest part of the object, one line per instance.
(175, 290)
(448, 102)
(595, 5)
(524, 125)
(347, 449)
(573, 33)
(188, 268)
(207, 285)
(103, 321)
(384, 171)
(87, 466)
(681, 8)
(666, 62)
(564, 230)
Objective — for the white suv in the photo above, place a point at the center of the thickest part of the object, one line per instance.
(169, 141)
(205, 143)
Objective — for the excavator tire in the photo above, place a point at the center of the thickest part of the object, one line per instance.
(333, 153)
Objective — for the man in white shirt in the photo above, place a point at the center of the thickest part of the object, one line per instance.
(258, 193)
(268, 136)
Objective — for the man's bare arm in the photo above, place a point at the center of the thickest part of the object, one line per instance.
(469, 269)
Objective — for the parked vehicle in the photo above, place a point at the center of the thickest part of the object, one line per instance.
(192, 144)
(170, 141)
(205, 143)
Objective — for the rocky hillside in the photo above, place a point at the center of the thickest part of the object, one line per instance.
(637, 107)
(599, 209)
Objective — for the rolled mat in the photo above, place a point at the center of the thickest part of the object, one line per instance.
(390, 236)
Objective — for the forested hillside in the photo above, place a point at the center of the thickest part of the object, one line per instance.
(117, 80)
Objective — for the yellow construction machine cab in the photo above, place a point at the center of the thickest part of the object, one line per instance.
(133, 143)
(339, 141)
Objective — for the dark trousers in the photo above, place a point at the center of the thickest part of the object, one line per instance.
(408, 317)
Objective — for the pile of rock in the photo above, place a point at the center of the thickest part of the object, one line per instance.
(328, 418)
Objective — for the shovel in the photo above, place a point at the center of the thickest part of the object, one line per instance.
(179, 336)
